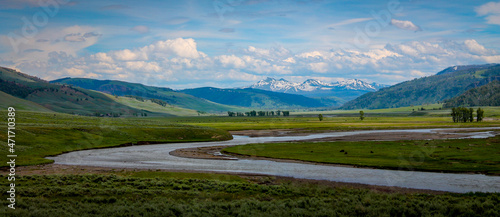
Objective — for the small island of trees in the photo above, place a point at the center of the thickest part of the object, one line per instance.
(258, 113)
(462, 114)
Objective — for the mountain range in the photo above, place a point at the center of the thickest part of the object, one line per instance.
(446, 84)
(471, 85)
(169, 96)
(346, 89)
(254, 98)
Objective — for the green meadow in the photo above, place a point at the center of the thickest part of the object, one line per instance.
(159, 193)
(454, 155)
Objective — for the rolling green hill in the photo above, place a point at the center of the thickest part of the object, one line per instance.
(149, 105)
(57, 97)
(120, 88)
(486, 95)
(446, 84)
(7, 100)
(255, 98)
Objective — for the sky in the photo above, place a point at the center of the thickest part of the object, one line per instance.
(234, 43)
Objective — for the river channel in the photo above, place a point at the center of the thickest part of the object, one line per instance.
(158, 157)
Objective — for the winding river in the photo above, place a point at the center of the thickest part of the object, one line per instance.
(158, 157)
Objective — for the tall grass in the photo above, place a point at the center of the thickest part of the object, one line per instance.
(111, 195)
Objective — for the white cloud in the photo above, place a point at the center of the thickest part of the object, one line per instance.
(289, 60)
(491, 10)
(475, 47)
(320, 67)
(179, 60)
(232, 60)
(102, 57)
(144, 66)
(405, 24)
(179, 47)
(127, 55)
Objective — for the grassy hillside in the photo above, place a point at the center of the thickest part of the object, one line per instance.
(7, 100)
(486, 95)
(120, 88)
(444, 85)
(249, 97)
(57, 97)
(146, 104)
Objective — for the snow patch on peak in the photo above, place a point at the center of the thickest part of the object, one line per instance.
(311, 85)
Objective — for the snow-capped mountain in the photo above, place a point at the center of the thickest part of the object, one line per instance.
(272, 84)
(347, 89)
(309, 85)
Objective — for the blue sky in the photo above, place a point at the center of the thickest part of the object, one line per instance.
(233, 43)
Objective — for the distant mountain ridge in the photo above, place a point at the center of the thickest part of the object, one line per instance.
(255, 98)
(446, 84)
(346, 89)
(28, 92)
(121, 88)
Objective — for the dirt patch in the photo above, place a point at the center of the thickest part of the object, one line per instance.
(212, 153)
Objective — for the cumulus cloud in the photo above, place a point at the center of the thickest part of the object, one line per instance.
(405, 24)
(180, 60)
(492, 12)
(231, 60)
(320, 67)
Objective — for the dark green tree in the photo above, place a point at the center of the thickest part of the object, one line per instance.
(454, 114)
(320, 117)
(361, 115)
(471, 115)
(480, 114)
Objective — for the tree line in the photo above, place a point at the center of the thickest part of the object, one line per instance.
(258, 113)
(462, 114)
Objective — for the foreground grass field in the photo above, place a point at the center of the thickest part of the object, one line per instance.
(455, 155)
(155, 195)
(44, 134)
